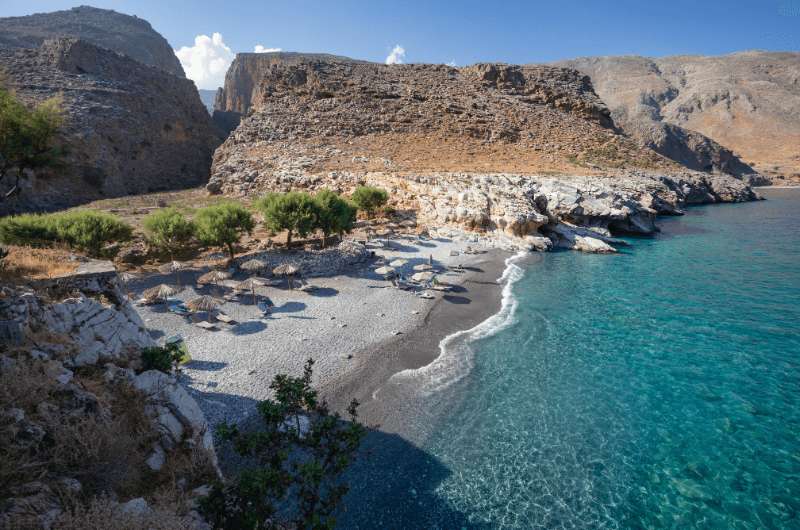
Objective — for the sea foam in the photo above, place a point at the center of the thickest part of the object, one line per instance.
(455, 360)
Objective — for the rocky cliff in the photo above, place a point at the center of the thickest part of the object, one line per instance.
(76, 400)
(130, 128)
(108, 29)
(736, 113)
(490, 148)
(331, 114)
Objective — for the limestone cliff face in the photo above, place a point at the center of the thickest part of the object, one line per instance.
(736, 113)
(130, 128)
(326, 113)
(108, 29)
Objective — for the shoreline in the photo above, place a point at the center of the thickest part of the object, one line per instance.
(394, 408)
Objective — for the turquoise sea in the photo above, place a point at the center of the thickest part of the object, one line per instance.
(655, 388)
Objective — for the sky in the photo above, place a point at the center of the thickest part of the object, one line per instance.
(207, 35)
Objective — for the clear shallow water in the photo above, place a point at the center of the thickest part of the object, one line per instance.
(658, 388)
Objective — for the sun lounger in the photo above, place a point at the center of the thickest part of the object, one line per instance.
(222, 317)
(206, 325)
(426, 295)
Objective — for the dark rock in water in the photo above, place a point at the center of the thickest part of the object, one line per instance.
(129, 128)
(128, 35)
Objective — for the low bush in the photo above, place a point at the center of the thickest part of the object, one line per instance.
(169, 230)
(369, 198)
(85, 230)
(163, 358)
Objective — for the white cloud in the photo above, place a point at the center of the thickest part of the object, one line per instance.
(207, 61)
(261, 49)
(398, 55)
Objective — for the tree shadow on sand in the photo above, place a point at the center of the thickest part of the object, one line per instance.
(392, 482)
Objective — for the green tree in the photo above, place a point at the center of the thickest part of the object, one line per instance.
(369, 199)
(90, 230)
(299, 453)
(334, 214)
(27, 138)
(294, 212)
(169, 230)
(223, 224)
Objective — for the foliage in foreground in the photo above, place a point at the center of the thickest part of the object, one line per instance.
(369, 198)
(26, 138)
(163, 358)
(300, 453)
(169, 230)
(223, 224)
(85, 230)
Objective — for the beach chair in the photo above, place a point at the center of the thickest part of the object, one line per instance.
(222, 317)
(208, 326)
(426, 295)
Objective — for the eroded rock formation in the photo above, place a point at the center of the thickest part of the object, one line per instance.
(129, 128)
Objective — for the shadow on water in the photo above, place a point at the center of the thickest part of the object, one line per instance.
(393, 485)
(392, 482)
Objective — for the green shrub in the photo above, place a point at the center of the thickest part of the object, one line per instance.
(28, 230)
(27, 138)
(90, 230)
(169, 230)
(369, 199)
(294, 212)
(299, 453)
(85, 230)
(334, 214)
(164, 358)
(223, 224)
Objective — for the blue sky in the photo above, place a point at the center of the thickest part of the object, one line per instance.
(467, 31)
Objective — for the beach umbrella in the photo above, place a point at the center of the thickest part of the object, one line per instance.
(203, 303)
(253, 265)
(288, 270)
(423, 276)
(398, 262)
(250, 284)
(213, 277)
(173, 266)
(160, 292)
(422, 267)
(385, 271)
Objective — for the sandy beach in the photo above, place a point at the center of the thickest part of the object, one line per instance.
(356, 326)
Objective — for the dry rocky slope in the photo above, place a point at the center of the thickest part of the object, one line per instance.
(108, 29)
(738, 113)
(79, 417)
(489, 147)
(129, 127)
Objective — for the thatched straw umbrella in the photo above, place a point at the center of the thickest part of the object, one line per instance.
(253, 265)
(173, 266)
(203, 303)
(213, 277)
(251, 284)
(288, 270)
(160, 292)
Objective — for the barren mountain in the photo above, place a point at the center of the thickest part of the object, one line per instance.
(529, 153)
(701, 110)
(129, 128)
(125, 34)
(332, 114)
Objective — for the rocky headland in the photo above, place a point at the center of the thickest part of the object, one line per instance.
(529, 153)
